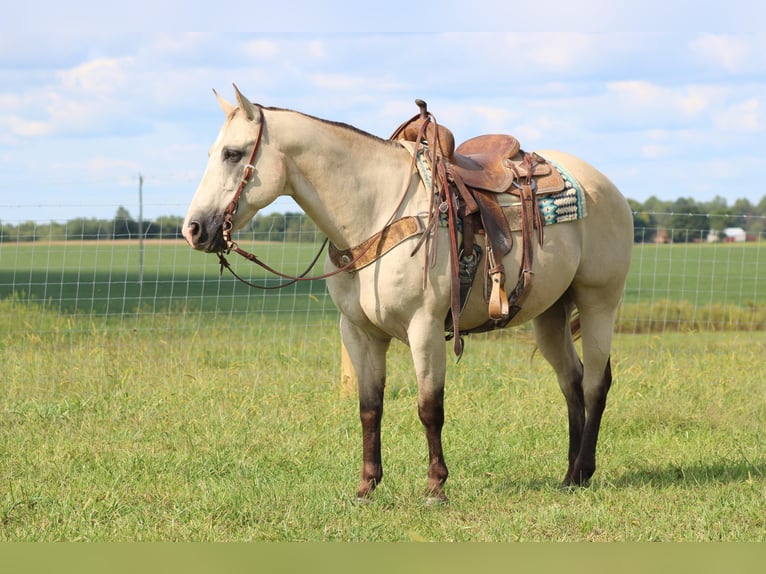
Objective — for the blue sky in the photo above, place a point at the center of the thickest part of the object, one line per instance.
(666, 98)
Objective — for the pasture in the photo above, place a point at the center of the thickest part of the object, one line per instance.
(186, 407)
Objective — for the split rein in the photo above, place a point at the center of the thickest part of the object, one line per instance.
(231, 245)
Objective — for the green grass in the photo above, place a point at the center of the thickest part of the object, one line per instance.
(189, 407)
(699, 273)
(235, 429)
(103, 278)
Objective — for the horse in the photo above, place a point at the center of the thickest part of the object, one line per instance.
(353, 185)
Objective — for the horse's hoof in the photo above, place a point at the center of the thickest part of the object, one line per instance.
(569, 485)
(436, 498)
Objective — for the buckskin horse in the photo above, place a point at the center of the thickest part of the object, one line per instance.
(425, 240)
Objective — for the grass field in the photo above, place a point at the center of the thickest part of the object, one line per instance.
(189, 434)
(102, 278)
(189, 408)
(670, 287)
(699, 273)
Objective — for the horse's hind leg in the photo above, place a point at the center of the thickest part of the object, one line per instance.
(368, 357)
(597, 311)
(554, 340)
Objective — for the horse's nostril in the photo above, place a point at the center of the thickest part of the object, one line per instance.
(194, 233)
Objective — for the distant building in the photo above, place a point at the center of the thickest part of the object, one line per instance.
(728, 235)
(734, 235)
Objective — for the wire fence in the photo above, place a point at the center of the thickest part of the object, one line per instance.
(60, 285)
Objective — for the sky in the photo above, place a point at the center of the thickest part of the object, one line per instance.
(667, 98)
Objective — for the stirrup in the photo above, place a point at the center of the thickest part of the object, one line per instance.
(498, 301)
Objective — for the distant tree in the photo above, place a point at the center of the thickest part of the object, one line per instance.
(165, 227)
(26, 231)
(719, 213)
(92, 228)
(644, 229)
(742, 211)
(687, 222)
(760, 209)
(54, 231)
(125, 227)
(269, 227)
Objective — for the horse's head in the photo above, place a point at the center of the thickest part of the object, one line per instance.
(243, 175)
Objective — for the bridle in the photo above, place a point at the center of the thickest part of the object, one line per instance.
(231, 245)
(248, 172)
(227, 225)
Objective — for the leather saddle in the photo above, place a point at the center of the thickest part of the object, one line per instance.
(479, 170)
(493, 162)
(489, 162)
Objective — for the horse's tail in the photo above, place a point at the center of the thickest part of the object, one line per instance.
(574, 325)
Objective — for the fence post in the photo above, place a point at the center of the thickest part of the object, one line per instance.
(347, 373)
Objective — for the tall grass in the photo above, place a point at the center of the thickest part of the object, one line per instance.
(225, 429)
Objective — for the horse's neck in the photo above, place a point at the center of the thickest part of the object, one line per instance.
(349, 183)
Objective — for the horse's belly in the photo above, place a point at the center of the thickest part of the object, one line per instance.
(554, 267)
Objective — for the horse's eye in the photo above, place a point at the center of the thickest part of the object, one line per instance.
(231, 155)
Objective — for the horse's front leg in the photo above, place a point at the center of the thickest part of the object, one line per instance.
(368, 357)
(430, 359)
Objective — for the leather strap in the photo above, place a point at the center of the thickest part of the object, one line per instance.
(376, 246)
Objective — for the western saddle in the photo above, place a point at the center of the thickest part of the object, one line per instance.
(468, 181)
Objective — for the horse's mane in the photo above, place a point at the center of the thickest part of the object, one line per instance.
(340, 125)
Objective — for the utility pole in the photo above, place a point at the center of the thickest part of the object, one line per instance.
(140, 229)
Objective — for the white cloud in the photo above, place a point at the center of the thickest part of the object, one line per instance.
(653, 104)
(554, 52)
(143, 102)
(28, 128)
(730, 53)
(183, 44)
(261, 49)
(355, 83)
(101, 77)
(317, 50)
(745, 116)
(652, 151)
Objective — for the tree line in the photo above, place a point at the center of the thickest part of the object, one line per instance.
(272, 227)
(687, 219)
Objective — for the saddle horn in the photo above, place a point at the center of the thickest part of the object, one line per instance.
(423, 108)
(411, 129)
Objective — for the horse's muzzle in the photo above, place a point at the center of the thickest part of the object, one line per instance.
(205, 235)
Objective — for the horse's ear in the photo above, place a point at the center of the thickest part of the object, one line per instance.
(244, 103)
(226, 106)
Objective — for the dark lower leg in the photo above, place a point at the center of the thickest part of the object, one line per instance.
(431, 414)
(372, 464)
(576, 415)
(585, 464)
